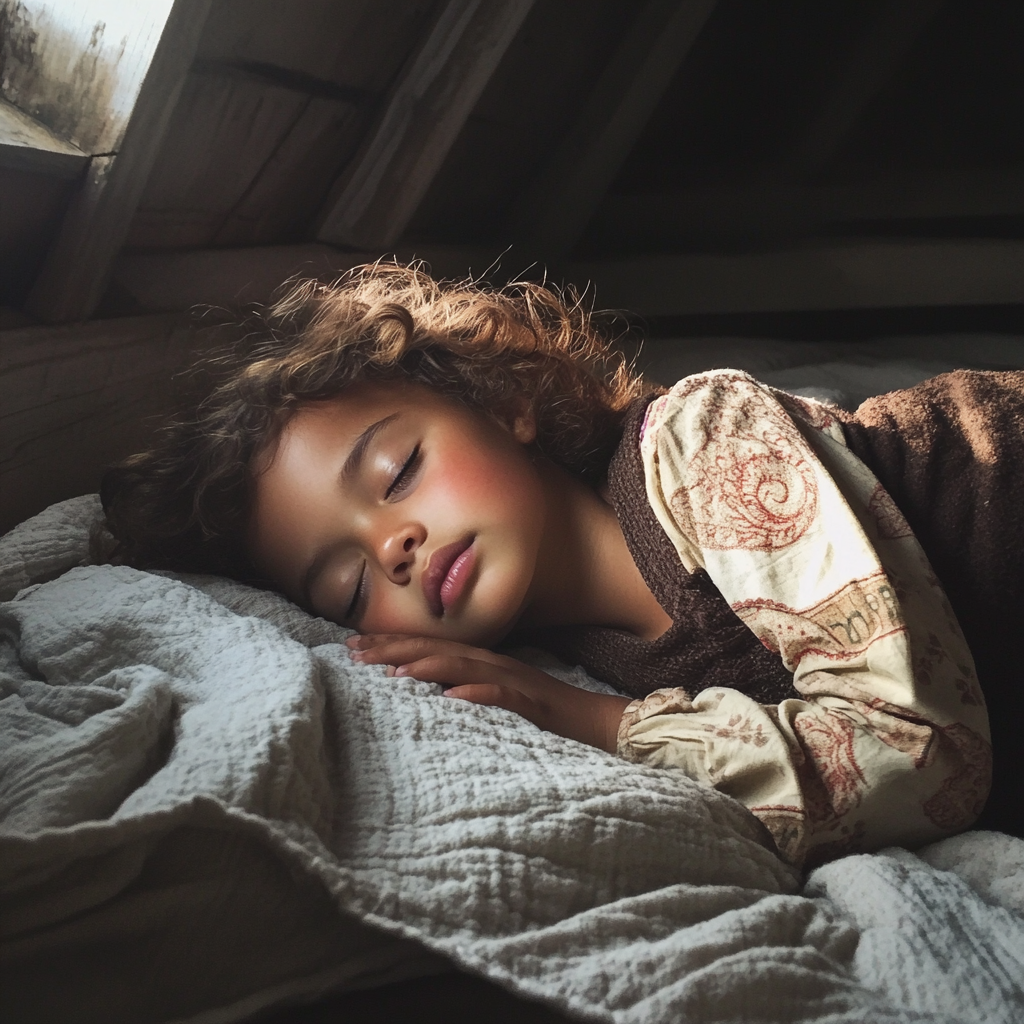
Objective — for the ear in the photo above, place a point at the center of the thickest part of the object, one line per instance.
(523, 421)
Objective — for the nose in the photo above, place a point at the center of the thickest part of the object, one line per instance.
(397, 551)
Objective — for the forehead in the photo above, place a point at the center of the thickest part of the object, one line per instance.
(335, 423)
(316, 439)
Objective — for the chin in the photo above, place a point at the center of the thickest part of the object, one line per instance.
(497, 626)
(482, 633)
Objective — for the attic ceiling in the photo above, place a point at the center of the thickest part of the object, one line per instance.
(281, 95)
(602, 129)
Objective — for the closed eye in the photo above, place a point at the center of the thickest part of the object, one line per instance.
(357, 597)
(405, 475)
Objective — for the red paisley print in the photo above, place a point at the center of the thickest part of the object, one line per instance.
(828, 742)
(962, 795)
(897, 729)
(888, 518)
(814, 414)
(751, 484)
(841, 626)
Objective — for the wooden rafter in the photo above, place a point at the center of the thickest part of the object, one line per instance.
(379, 193)
(554, 211)
(833, 275)
(228, 278)
(27, 145)
(848, 275)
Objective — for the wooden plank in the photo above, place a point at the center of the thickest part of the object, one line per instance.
(860, 275)
(42, 365)
(284, 196)
(872, 61)
(700, 216)
(228, 278)
(836, 276)
(425, 112)
(355, 44)
(74, 399)
(77, 266)
(28, 145)
(31, 208)
(274, 108)
(553, 213)
(224, 278)
(224, 130)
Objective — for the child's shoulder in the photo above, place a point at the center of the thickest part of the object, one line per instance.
(733, 403)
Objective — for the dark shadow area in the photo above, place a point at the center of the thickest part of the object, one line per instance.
(442, 999)
(842, 324)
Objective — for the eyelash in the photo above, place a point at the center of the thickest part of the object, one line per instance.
(404, 476)
(402, 480)
(357, 597)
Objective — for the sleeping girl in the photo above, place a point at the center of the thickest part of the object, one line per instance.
(796, 602)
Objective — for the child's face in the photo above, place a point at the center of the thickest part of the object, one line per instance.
(394, 510)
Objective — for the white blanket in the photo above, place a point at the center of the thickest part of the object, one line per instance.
(195, 779)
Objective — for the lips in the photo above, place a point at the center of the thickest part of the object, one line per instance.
(447, 574)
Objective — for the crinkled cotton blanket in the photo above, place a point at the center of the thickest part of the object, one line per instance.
(207, 808)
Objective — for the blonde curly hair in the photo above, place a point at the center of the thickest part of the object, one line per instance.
(185, 503)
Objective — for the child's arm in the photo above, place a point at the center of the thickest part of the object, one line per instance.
(889, 743)
(483, 677)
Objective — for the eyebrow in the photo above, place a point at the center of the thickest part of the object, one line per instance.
(362, 442)
(349, 469)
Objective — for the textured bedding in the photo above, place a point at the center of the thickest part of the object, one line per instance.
(208, 809)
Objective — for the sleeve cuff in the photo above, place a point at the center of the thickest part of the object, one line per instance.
(661, 702)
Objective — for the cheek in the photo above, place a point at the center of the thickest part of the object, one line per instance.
(501, 489)
(389, 616)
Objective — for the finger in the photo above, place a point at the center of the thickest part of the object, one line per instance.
(405, 650)
(493, 695)
(488, 694)
(361, 641)
(450, 670)
(395, 650)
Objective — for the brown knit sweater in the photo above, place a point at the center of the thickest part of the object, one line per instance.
(707, 644)
(951, 454)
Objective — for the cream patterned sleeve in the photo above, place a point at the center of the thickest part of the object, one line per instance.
(889, 742)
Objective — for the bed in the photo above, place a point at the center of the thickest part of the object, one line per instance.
(210, 814)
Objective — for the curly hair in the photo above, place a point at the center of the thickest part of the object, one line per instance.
(184, 504)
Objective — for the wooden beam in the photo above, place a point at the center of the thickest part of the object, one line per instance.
(553, 213)
(861, 275)
(28, 145)
(74, 398)
(379, 193)
(230, 278)
(694, 217)
(870, 63)
(225, 130)
(77, 267)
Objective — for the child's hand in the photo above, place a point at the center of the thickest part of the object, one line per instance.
(483, 677)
